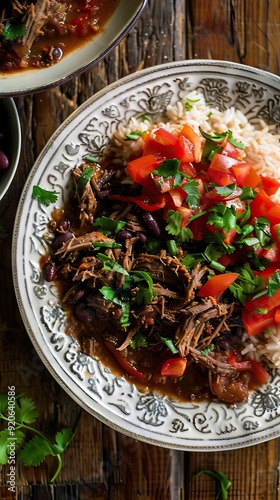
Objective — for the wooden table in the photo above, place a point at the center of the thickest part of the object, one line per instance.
(101, 463)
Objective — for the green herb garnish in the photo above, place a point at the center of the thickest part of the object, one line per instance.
(85, 178)
(14, 31)
(224, 482)
(110, 264)
(44, 196)
(139, 340)
(107, 225)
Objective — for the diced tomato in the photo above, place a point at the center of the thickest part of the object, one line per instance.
(174, 148)
(174, 367)
(270, 185)
(125, 364)
(188, 149)
(272, 253)
(140, 169)
(163, 184)
(230, 150)
(187, 168)
(198, 227)
(277, 315)
(195, 139)
(186, 214)
(264, 303)
(79, 22)
(217, 285)
(178, 196)
(246, 175)
(262, 205)
(220, 170)
(240, 366)
(224, 260)
(259, 373)
(255, 323)
(268, 271)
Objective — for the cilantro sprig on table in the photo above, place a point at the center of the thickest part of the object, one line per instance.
(31, 452)
(222, 480)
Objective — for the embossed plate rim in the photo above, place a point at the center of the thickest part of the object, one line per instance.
(53, 351)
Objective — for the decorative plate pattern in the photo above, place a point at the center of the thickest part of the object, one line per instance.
(149, 417)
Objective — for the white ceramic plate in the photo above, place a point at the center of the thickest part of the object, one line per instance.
(120, 23)
(148, 417)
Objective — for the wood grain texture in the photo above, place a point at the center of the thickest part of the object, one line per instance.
(100, 463)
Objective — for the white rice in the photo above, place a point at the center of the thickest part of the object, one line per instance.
(261, 147)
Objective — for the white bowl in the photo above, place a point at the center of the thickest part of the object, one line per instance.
(155, 419)
(29, 81)
(13, 137)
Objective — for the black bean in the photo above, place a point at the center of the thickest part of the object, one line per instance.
(141, 236)
(62, 238)
(49, 271)
(57, 53)
(77, 295)
(84, 313)
(63, 225)
(4, 161)
(124, 235)
(151, 224)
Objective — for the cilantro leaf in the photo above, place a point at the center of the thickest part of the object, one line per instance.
(110, 264)
(5, 443)
(35, 451)
(44, 196)
(14, 31)
(139, 340)
(85, 177)
(207, 350)
(25, 410)
(246, 284)
(121, 298)
(174, 222)
(168, 168)
(193, 193)
(62, 439)
(222, 217)
(226, 190)
(262, 230)
(145, 293)
(107, 225)
(273, 284)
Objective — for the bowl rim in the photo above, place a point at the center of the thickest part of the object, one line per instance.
(12, 110)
